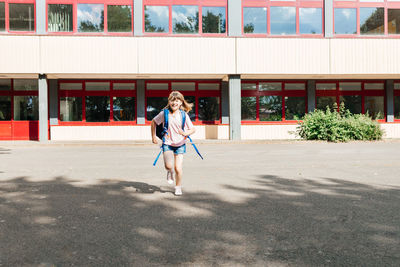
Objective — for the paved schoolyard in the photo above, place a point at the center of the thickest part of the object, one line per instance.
(247, 204)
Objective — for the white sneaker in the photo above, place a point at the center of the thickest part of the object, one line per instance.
(170, 177)
(178, 191)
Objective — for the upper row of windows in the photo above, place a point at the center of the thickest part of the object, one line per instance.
(266, 19)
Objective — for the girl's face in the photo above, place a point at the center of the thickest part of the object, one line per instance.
(175, 104)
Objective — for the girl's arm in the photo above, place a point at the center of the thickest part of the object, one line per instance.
(153, 132)
(187, 132)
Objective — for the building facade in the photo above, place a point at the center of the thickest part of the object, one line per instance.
(102, 69)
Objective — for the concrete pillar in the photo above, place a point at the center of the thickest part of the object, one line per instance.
(43, 109)
(225, 103)
(235, 110)
(53, 102)
(389, 100)
(41, 16)
(140, 100)
(328, 18)
(310, 95)
(235, 18)
(138, 17)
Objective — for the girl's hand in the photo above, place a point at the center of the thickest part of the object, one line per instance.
(182, 132)
(155, 141)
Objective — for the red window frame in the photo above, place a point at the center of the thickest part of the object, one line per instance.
(199, 3)
(396, 93)
(283, 93)
(196, 93)
(297, 3)
(363, 93)
(7, 15)
(357, 4)
(83, 93)
(75, 3)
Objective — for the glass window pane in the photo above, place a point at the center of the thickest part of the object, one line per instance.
(249, 108)
(156, 19)
(124, 108)
(71, 86)
(154, 106)
(372, 20)
(22, 17)
(310, 20)
(97, 108)
(352, 103)
(208, 108)
(375, 107)
(5, 85)
(157, 86)
(190, 86)
(345, 21)
(249, 86)
(397, 107)
(295, 108)
(59, 18)
(393, 21)
(26, 108)
(283, 20)
(270, 86)
(374, 86)
(97, 86)
(2, 17)
(295, 86)
(71, 109)
(25, 85)
(185, 19)
(213, 19)
(5, 108)
(119, 18)
(397, 86)
(270, 108)
(90, 17)
(208, 86)
(325, 101)
(326, 86)
(192, 100)
(350, 86)
(255, 20)
(124, 86)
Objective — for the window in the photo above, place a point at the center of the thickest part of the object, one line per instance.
(293, 17)
(357, 97)
(393, 21)
(397, 100)
(185, 17)
(5, 108)
(91, 102)
(204, 95)
(372, 20)
(345, 21)
(104, 16)
(274, 101)
(26, 108)
(22, 17)
(2, 17)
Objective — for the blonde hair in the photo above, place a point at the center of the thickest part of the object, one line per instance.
(177, 95)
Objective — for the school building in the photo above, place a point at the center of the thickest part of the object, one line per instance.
(102, 69)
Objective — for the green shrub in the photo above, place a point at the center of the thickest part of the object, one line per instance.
(339, 126)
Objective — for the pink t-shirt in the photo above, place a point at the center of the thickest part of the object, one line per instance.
(174, 138)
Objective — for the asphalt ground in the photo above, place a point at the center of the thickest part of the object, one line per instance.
(246, 204)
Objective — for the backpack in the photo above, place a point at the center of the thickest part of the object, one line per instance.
(162, 128)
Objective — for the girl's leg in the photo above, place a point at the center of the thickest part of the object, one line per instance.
(169, 160)
(178, 169)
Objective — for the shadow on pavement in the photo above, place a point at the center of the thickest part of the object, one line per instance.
(282, 222)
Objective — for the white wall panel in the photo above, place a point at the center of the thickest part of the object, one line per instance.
(365, 56)
(391, 130)
(19, 54)
(83, 54)
(186, 55)
(268, 132)
(282, 56)
(97, 133)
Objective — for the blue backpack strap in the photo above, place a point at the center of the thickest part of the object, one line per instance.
(183, 113)
(165, 131)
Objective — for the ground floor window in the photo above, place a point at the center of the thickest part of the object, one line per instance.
(273, 101)
(204, 95)
(97, 101)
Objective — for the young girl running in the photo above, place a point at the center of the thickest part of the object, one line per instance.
(174, 145)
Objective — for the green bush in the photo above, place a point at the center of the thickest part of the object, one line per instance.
(339, 126)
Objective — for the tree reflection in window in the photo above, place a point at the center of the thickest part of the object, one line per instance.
(5, 108)
(352, 103)
(372, 20)
(90, 17)
(295, 108)
(208, 108)
(97, 108)
(213, 20)
(255, 20)
(192, 100)
(124, 108)
(156, 18)
(2, 17)
(119, 18)
(185, 19)
(155, 105)
(270, 108)
(249, 108)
